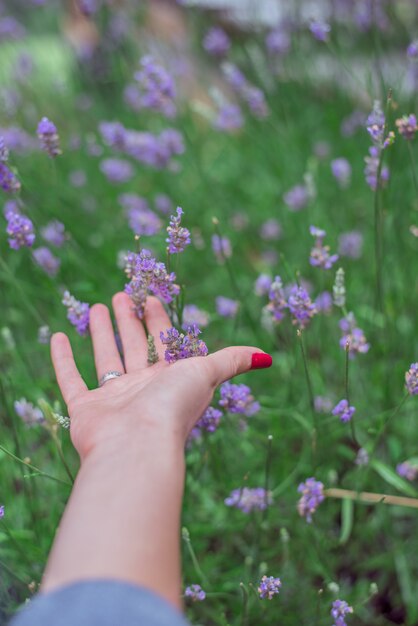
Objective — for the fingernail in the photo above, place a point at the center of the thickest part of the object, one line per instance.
(260, 360)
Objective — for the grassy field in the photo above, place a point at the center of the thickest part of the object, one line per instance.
(361, 552)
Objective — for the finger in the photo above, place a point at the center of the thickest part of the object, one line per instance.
(157, 321)
(106, 353)
(69, 380)
(230, 362)
(132, 332)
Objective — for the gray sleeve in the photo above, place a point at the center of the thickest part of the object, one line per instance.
(99, 603)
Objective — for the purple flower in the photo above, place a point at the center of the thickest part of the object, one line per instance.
(4, 151)
(300, 306)
(256, 101)
(353, 336)
(147, 275)
(277, 301)
(320, 256)
(253, 96)
(352, 123)
(143, 222)
(221, 247)
(156, 88)
(8, 180)
(11, 28)
(339, 610)
(262, 285)
(46, 260)
(78, 313)
(209, 420)
(322, 404)
(375, 124)
(195, 593)
(88, 7)
(341, 170)
(238, 399)
(54, 233)
(278, 42)
(113, 134)
(372, 168)
(178, 236)
(407, 126)
(271, 230)
(44, 334)
(344, 411)
(296, 198)
(228, 118)
(49, 138)
(320, 30)
(216, 42)
(193, 315)
(269, 587)
(117, 170)
(163, 203)
(406, 470)
(350, 244)
(19, 230)
(183, 346)
(412, 50)
(249, 499)
(225, 307)
(312, 495)
(1, 511)
(29, 413)
(17, 139)
(411, 379)
(323, 303)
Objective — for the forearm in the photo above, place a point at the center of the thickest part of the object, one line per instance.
(122, 519)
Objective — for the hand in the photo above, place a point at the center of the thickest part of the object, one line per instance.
(166, 399)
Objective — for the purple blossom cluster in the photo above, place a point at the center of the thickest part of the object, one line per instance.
(141, 219)
(278, 41)
(195, 593)
(277, 301)
(78, 313)
(228, 118)
(341, 170)
(271, 230)
(226, 307)
(19, 228)
(350, 244)
(312, 495)
(117, 170)
(344, 411)
(407, 126)
(238, 399)
(29, 413)
(320, 256)
(262, 285)
(322, 404)
(352, 336)
(375, 125)
(411, 379)
(178, 236)
(209, 421)
(46, 260)
(8, 180)
(249, 499)
(269, 587)
(1, 511)
(147, 275)
(297, 197)
(193, 315)
(324, 302)
(216, 42)
(339, 610)
(252, 96)
(154, 89)
(320, 30)
(54, 233)
(183, 345)
(300, 306)
(221, 247)
(48, 137)
(407, 470)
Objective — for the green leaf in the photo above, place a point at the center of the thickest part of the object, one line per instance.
(392, 478)
(347, 510)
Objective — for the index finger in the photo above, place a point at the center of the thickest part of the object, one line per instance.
(69, 379)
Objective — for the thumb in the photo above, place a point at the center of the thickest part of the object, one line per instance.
(235, 360)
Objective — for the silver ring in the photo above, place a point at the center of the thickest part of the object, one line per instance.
(108, 376)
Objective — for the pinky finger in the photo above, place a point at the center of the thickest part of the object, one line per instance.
(69, 379)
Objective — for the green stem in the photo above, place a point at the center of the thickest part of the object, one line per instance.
(61, 455)
(347, 394)
(16, 543)
(244, 618)
(32, 467)
(267, 474)
(411, 156)
(15, 282)
(186, 537)
(311, 397)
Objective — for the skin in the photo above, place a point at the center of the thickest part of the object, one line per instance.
(122, 520)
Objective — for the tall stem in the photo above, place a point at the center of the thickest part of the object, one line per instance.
(413, 166)
(186, 537)
(347, 393)
(311, 396)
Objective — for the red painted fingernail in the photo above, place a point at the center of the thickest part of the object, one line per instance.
(260, 360)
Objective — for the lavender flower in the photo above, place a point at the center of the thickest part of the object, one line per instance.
(362, 458)
(375, 124)
(225, 307)
(269, 587)
(407, 126)
(1, 511)
(322, 404)
(148, 276)
(339, 610)
(312, 495)
(228, 118)
(271, 230)
(183, 346)
(78, 313)
(372, 168)
(88, 7)
(8, 180)
(54, 233)
(195, 593)
(253, 96)
(221, 247)
(117, 170)
(49, 138)
(46, 260)
(193, 315)
(156, 87)
(238, 399)
(406, 470)
(209, 420)
(256, 101)
(29, 413)
(323, 303)
(19, 229)
(320, 30)
(411, 379)
(44, 334)
(300, 306)
(216, 42)
(344, 411)
(353, 336)
(143, 222)
(320, 256)
(338, 289)
(10, 28)
(277, 301)
(278, 42)
(249, 499)
(341, 170)
(4, 151)
(412, 50)
(350, 244)
(262, 285)
(178, 236)
(296, 198)
(163, 203)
